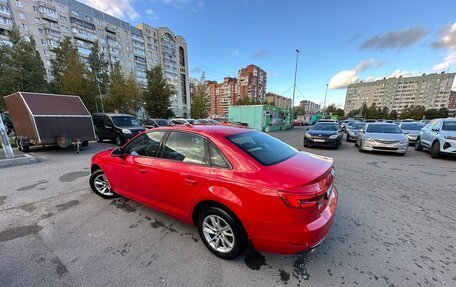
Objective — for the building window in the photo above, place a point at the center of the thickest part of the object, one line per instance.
(19, 4)
(181, 57)
(65, 29)
(24, 27)
(21, 15)
(35, 9)
(63, 18)
(45, 52)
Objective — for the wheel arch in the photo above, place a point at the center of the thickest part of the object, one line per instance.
(94, 168)
(212, 203)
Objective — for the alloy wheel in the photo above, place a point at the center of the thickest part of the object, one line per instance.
(218, 233)
(102, 185)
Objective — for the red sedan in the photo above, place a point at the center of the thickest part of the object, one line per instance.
(234, 184)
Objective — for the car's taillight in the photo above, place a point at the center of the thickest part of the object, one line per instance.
(298, 200)
(309, 195)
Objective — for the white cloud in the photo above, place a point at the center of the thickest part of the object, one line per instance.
(236, 52)
(447, 38)
(194, 5)
(344, 78)
(118, 8)
(449, 61)
(151, 13)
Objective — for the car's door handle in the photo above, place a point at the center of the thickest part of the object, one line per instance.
(142, 170)
(190, 181)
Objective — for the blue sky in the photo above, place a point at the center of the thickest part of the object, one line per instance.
(340, 41)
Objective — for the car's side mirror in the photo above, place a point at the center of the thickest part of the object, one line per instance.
(436, 129)
(118, 152)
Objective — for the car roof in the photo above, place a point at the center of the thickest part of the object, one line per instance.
(114, 114)
(381, 124)
(208, 130)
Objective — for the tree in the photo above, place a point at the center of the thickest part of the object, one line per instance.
(247, 101)
(98, 69)
(21, 68)
(60, 62)
(200, 101)
(157, 97)
(124, 95)
(443, 113)
(393, 115)
(340, 112)
(331, 109)
(413, 112)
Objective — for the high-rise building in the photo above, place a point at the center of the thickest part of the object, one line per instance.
(135, 48)
(309, 107)
(452, 100)
(278, 101)
(221, 95)
(252, 83)
(431, 91)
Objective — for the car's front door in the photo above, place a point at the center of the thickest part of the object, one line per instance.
(129, 175)
(183, 169)
(107, 128)
(426, 135)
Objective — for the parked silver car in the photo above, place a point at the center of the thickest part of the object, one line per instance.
(385, 137)
(353, 131)
(439, 136)
(412, 130)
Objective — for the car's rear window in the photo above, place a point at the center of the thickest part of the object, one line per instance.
(412, 126)
(263, 148)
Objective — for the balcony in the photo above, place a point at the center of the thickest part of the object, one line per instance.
(49, 17)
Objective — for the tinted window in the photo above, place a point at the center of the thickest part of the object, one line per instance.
(325, 127)
(107, 121)
(358, 126)
(185, 147)
(265, 149)
(145, 145)
(449, 126)
(178, 122)
(217, 158)
(412, 126)
(164, 123)
(125, 121)
(388, 129)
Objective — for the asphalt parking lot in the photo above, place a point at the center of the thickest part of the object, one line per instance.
(395, 226)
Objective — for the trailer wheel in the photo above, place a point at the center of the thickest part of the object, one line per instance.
(21, 145)
(85, 143)
(63, 141)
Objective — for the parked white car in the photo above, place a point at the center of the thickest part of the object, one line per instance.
(439, 136)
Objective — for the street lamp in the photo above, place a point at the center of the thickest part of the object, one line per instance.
(326, 93)
(296, 71)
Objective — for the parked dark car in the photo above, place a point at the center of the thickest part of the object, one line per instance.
(155, 123)
(354, 130)
(8, 122)
(323, 134)
(116, 127)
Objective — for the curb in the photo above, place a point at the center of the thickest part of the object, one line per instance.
(19, 160)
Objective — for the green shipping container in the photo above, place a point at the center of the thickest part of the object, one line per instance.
(264, 118)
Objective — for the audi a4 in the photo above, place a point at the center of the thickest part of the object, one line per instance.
(233, 184)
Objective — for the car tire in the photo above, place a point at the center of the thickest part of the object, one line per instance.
(348, 140)
(100, 185)
(99, 139)
(118, 140)
(435, 150)
(360, 146)
(356, 143)
(233, 239)
(418, 146)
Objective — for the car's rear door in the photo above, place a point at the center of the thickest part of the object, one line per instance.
(183, 169)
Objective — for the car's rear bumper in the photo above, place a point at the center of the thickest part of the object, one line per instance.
(288, 239)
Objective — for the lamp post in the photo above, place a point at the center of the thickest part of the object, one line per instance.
(296, 71)
(324, 103)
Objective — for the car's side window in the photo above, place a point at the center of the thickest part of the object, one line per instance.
(185, 147)
(107, 121)
(145, 145)
(216, 157)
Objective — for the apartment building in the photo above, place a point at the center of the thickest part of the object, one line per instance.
(136, 48)
(431, 91)
(278, 101)
(252, 83)
(222, 95)
(452, 100)
(309, 107)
